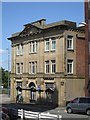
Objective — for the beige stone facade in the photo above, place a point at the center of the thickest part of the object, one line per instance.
(44, 57)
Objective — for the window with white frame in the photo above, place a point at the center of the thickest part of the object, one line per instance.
(21, 68)
(18, 49)
(47, 45)
(21, 49)
(32, 67)
(53, 66)
(33, 47)
(30, 47)
(70, 66)
(18, 68)
(70, 42)
(46, 66)
(53, 44)
(29, 67)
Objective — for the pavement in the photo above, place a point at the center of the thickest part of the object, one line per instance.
(4, 99)
(13, 109)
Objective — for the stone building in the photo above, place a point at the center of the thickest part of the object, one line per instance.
(48, 62)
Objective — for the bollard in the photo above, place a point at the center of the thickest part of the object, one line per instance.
(38, 116)
(60, 116)
(22, 114)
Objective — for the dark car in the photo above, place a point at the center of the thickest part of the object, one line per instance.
(79, 105)
(4, 115)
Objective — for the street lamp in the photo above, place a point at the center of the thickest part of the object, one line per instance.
(8, 72)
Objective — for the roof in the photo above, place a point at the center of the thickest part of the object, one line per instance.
(45, 26)
(40, 24)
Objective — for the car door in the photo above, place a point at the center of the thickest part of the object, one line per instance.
(74, 104)
(82, 104)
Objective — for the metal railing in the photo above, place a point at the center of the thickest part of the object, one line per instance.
(24, 114)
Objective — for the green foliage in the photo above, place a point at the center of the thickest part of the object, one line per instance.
(4, 77)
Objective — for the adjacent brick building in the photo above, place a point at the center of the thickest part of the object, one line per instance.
(87, 48)
(48, 62)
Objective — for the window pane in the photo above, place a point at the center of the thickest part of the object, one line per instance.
(47, 67)
(18, 50)
(33, 47)
(53, 66)
(18, 68)
(30, 67)
(47, 44)
(21, 49)
(69, 66)
(33, 67)
(83, 100)
(30, 47)
(70, 42)
(53, 44)
(88, 100)
(21, 67)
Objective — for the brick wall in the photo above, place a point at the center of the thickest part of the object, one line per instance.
(80, 56)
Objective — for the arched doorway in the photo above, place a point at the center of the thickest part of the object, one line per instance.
(32, 92)
(49, 94)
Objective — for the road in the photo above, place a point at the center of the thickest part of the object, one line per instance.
(13, 108)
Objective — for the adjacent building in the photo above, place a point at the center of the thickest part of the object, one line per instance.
(87, 48)
(48, 62)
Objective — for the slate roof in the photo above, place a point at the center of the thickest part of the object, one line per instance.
(40, 24)
(45, 26)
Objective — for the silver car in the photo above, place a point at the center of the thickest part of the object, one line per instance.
(79, 105)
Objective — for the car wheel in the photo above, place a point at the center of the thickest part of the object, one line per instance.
(88, 112)
(69, 110)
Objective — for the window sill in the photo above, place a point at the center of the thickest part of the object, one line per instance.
(53, 73)
(18, 73)
(69, 73)
(33, 53)
(32, 73)
(47, 73)
(46, 51)
(18, 55)
(53, 50)
(72, 50)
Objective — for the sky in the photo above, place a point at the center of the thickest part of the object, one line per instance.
(16, 14)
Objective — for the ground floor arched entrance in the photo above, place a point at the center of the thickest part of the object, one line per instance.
(32, 92)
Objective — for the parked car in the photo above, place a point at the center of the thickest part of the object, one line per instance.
(4, 116)
(79, 105)
(4, 113)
